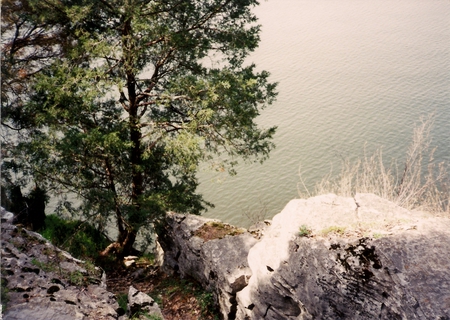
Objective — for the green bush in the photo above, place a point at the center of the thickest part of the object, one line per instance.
(304, 231)
(77, 237)
(206, 301)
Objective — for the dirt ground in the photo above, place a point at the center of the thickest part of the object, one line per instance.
(177, 298)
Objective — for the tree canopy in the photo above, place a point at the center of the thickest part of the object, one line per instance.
(120, 101)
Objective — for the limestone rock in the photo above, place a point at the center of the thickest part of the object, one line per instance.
(140, 303)
(365, 258)
(220, 265)
(6, 217)
(44, 282)
(129, 261)
(390, 263)
(227, 271)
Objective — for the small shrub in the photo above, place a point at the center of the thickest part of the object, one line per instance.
(90, 268)
(304, 231)
(48, 251)
(146, 259)
(206, 301)
(122, 300)
(377, 235)
(146, 315)
(76, 278)
(195, 298)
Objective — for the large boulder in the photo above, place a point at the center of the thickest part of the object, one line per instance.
(327, 257)
(213, 253)
(365, 258)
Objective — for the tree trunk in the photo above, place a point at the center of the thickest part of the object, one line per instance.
(128, 236)
(127, 245)
(123, 246)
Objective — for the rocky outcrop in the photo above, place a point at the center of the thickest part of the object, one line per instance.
(211, 252)
(326, 257)
(40, 281)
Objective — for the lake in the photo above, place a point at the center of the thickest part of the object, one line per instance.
(353, 75)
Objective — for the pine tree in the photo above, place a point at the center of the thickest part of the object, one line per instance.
(142, 93)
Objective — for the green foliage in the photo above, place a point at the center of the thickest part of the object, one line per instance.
(206, 301)
(122, 300)
(77, 237)
(146, 259)
(45, 266)
(304, 231)
(90, 267)
(131, 106)
(76, 278)
(145, 315)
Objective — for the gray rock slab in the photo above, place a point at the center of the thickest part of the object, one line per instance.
(386, 262)
(403, 274)
(32, 270)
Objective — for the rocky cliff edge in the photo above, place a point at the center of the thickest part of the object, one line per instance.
(327, 257)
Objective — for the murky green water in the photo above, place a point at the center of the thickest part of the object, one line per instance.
(352, 75)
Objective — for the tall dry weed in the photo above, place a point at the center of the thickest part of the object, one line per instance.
(420, 183)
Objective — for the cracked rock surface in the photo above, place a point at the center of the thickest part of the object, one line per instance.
(363, 258)
(44, 282)
(218, 264)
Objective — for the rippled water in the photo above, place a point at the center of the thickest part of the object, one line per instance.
(352, 74)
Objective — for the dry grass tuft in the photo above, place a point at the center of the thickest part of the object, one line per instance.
(217, 230)
(421, 184)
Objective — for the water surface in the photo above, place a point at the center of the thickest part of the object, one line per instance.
(352, 75)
